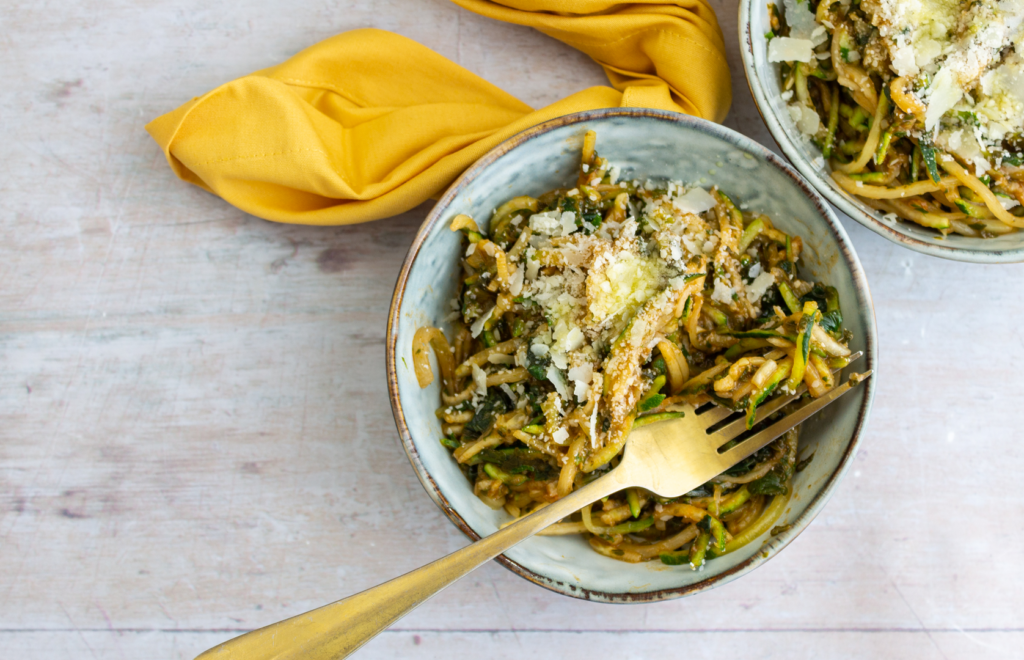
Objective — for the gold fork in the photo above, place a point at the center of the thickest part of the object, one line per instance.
(669, 458)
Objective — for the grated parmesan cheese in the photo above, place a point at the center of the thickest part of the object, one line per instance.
(607, 295)
(547, 223)
(723, 292)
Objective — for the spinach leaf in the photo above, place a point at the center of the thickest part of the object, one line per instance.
(773, 483)
(748, 463)
(769, 301)
(519, 460)
(828, 302)
(594, 218)
(537, 366)
(494, 404)
(476, 299)
(655, 368)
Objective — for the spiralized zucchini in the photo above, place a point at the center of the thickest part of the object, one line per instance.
(608, 304)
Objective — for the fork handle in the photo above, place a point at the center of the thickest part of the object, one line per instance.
(336, 630)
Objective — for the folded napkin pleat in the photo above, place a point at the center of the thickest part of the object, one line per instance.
(369, 124)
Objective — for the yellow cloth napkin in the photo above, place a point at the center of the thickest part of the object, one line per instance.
(369, 124)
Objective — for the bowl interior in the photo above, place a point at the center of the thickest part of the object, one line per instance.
(766, 87)
(645, 144)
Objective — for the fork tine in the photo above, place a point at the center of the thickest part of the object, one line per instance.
(714, 415)
(762, 438)
(733, 429)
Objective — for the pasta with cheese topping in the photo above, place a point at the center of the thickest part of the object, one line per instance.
(918, 105)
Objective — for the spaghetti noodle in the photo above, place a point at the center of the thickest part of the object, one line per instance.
(606, 305)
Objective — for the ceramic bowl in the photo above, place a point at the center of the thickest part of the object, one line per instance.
(765, 85)
(645, 143)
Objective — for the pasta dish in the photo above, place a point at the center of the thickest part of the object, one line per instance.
(600, 307)
(918, 105)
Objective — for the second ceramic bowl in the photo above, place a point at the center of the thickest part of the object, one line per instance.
(644, 143)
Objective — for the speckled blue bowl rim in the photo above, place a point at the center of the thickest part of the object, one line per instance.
(866, 309)
(842, 200)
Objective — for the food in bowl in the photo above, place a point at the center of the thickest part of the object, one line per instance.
(591, 310)
(918, 105)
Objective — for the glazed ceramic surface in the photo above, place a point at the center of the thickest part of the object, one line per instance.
(644, 143)
(765, 85)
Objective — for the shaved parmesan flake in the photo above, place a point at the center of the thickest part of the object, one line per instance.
(944, 93)
(1007, 202)
(515, 282)
(568, 223)
(574, 339)
(532, 269)
(807, 120)
(480, 380)
(581, 377)
(787, 49)
(478, 325)
(558, 380)
(696, 200)
(760, 285)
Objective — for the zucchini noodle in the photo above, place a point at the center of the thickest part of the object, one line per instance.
(586, 311)
(917, 119)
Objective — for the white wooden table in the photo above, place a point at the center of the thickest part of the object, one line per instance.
(195, 436)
